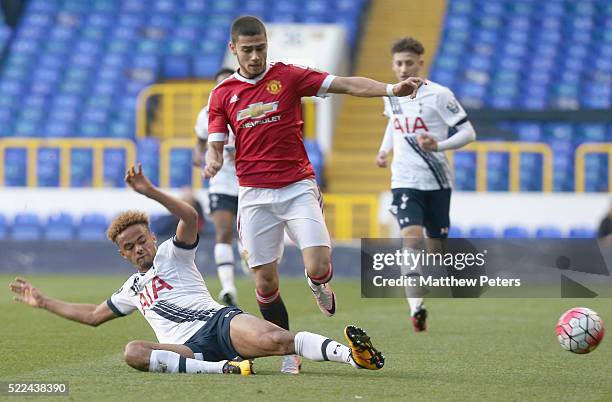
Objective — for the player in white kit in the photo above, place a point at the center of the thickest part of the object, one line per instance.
(195, 333)
(223, 201)
(421, 180)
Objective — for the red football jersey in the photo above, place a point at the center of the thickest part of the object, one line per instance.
(265, 114)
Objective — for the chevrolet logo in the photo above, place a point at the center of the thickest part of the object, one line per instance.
(257, 110)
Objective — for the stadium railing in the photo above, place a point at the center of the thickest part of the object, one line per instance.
(590, 148)
(352, 216)
(65, 146)
(349, 216)
(170, 109)
(514, 149)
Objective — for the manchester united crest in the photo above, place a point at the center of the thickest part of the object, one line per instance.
(273, 86)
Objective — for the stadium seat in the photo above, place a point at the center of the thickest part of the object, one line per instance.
(26, 227)
(175, 67)
(516, 232)
(455, 232)
(180, 167)
(92, 227)
(508, 32)
(114, 167)
(15, 169)
(81, 168)
(3, 228)
(582, 233)
(59, 227)
(48, 165)
(483, 232)
(148, 155)
(550, 232)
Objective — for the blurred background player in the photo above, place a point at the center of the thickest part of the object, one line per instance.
(223, 201)
(261, 103)
(421, 181)
(195, 333)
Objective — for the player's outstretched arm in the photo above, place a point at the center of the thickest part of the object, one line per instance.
(464, 135)
(214, 158)
(368, 88)
(89, 314)
(187, 229)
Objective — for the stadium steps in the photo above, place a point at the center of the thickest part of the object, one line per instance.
(350, 167)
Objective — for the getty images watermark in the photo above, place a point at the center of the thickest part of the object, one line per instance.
(486, 268)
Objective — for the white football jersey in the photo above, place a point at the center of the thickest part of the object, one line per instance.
(225, 181)
(433, 111)
(172, 295)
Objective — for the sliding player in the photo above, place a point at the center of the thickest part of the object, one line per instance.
(195, 333)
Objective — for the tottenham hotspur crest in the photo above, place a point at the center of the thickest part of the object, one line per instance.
(453, 106)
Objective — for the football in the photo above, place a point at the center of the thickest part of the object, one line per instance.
(580, 330)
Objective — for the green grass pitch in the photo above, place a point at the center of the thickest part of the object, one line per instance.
(482, 349)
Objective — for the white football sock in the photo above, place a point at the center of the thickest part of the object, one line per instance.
(415, 304)
(319, 348)
(224, 259)
(165, 361)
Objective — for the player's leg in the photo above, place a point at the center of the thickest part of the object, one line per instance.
(223, 209)
(262, 234)
(253, 337)
(409, 207)
(306, 226)
(319, 271)
(268, 294)
(169, 358)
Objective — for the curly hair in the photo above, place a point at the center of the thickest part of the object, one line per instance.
(407, 44)
(123, 221)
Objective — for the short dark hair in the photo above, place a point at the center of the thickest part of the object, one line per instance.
(407, 44)
(247, 25)
(223, 71)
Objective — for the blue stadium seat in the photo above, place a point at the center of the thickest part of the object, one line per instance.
(177, 67)
(15, 169)
(510, 30)
(455, 232)
(516, 232)
(92, 227)
(114, 167)
(59, 227)
(81, 168)
(148, 155)
(48, 166)
(26, 227)
(582, 233)
(70, 68)
(180, 167)
(3, 227)
(484, 232)
(205, 66)
(550, 232)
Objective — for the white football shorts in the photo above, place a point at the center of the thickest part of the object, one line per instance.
(264, 214)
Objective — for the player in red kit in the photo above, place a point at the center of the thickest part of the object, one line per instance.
(261, 103)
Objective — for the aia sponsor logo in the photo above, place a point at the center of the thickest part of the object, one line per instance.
(417, 125)
(151, 291)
